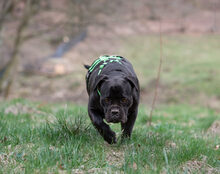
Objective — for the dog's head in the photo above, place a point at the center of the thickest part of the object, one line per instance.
(116, 97)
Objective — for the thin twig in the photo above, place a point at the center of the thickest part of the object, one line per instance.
(158, 78)
(214, 23)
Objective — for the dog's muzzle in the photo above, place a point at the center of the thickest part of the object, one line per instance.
(115, 115)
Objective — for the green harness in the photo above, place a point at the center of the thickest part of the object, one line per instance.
(103, 61)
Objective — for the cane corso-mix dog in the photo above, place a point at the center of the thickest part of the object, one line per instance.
(113, 90)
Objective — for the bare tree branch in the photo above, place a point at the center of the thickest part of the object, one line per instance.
(6, 5)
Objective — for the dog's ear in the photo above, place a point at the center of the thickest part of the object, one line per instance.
(99, 80)
(87, 66)
(133, 81)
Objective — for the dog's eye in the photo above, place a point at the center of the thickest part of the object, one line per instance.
(124, 100)
(107, 100)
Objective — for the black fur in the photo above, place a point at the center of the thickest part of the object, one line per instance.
(87, 66)
(119, 99)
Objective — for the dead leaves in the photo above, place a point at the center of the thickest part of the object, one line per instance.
(214, 128)
(195, 166)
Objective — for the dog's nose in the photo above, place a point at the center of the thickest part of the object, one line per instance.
(115, 111)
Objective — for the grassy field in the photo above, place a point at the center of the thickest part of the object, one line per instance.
(185, 132)
(190, 67)
(60, 139)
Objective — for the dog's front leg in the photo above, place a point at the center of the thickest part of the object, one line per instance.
(102, 127)
(128, 126)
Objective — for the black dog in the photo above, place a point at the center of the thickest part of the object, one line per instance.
(113, 90)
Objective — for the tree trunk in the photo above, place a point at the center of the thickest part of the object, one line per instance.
(11, 68)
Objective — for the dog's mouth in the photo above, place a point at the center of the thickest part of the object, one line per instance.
(115, 119)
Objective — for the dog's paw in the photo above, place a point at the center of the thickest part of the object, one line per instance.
(125, 139)
(110, 137)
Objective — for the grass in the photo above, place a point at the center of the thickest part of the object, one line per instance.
(56, 138)
(190, 67)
